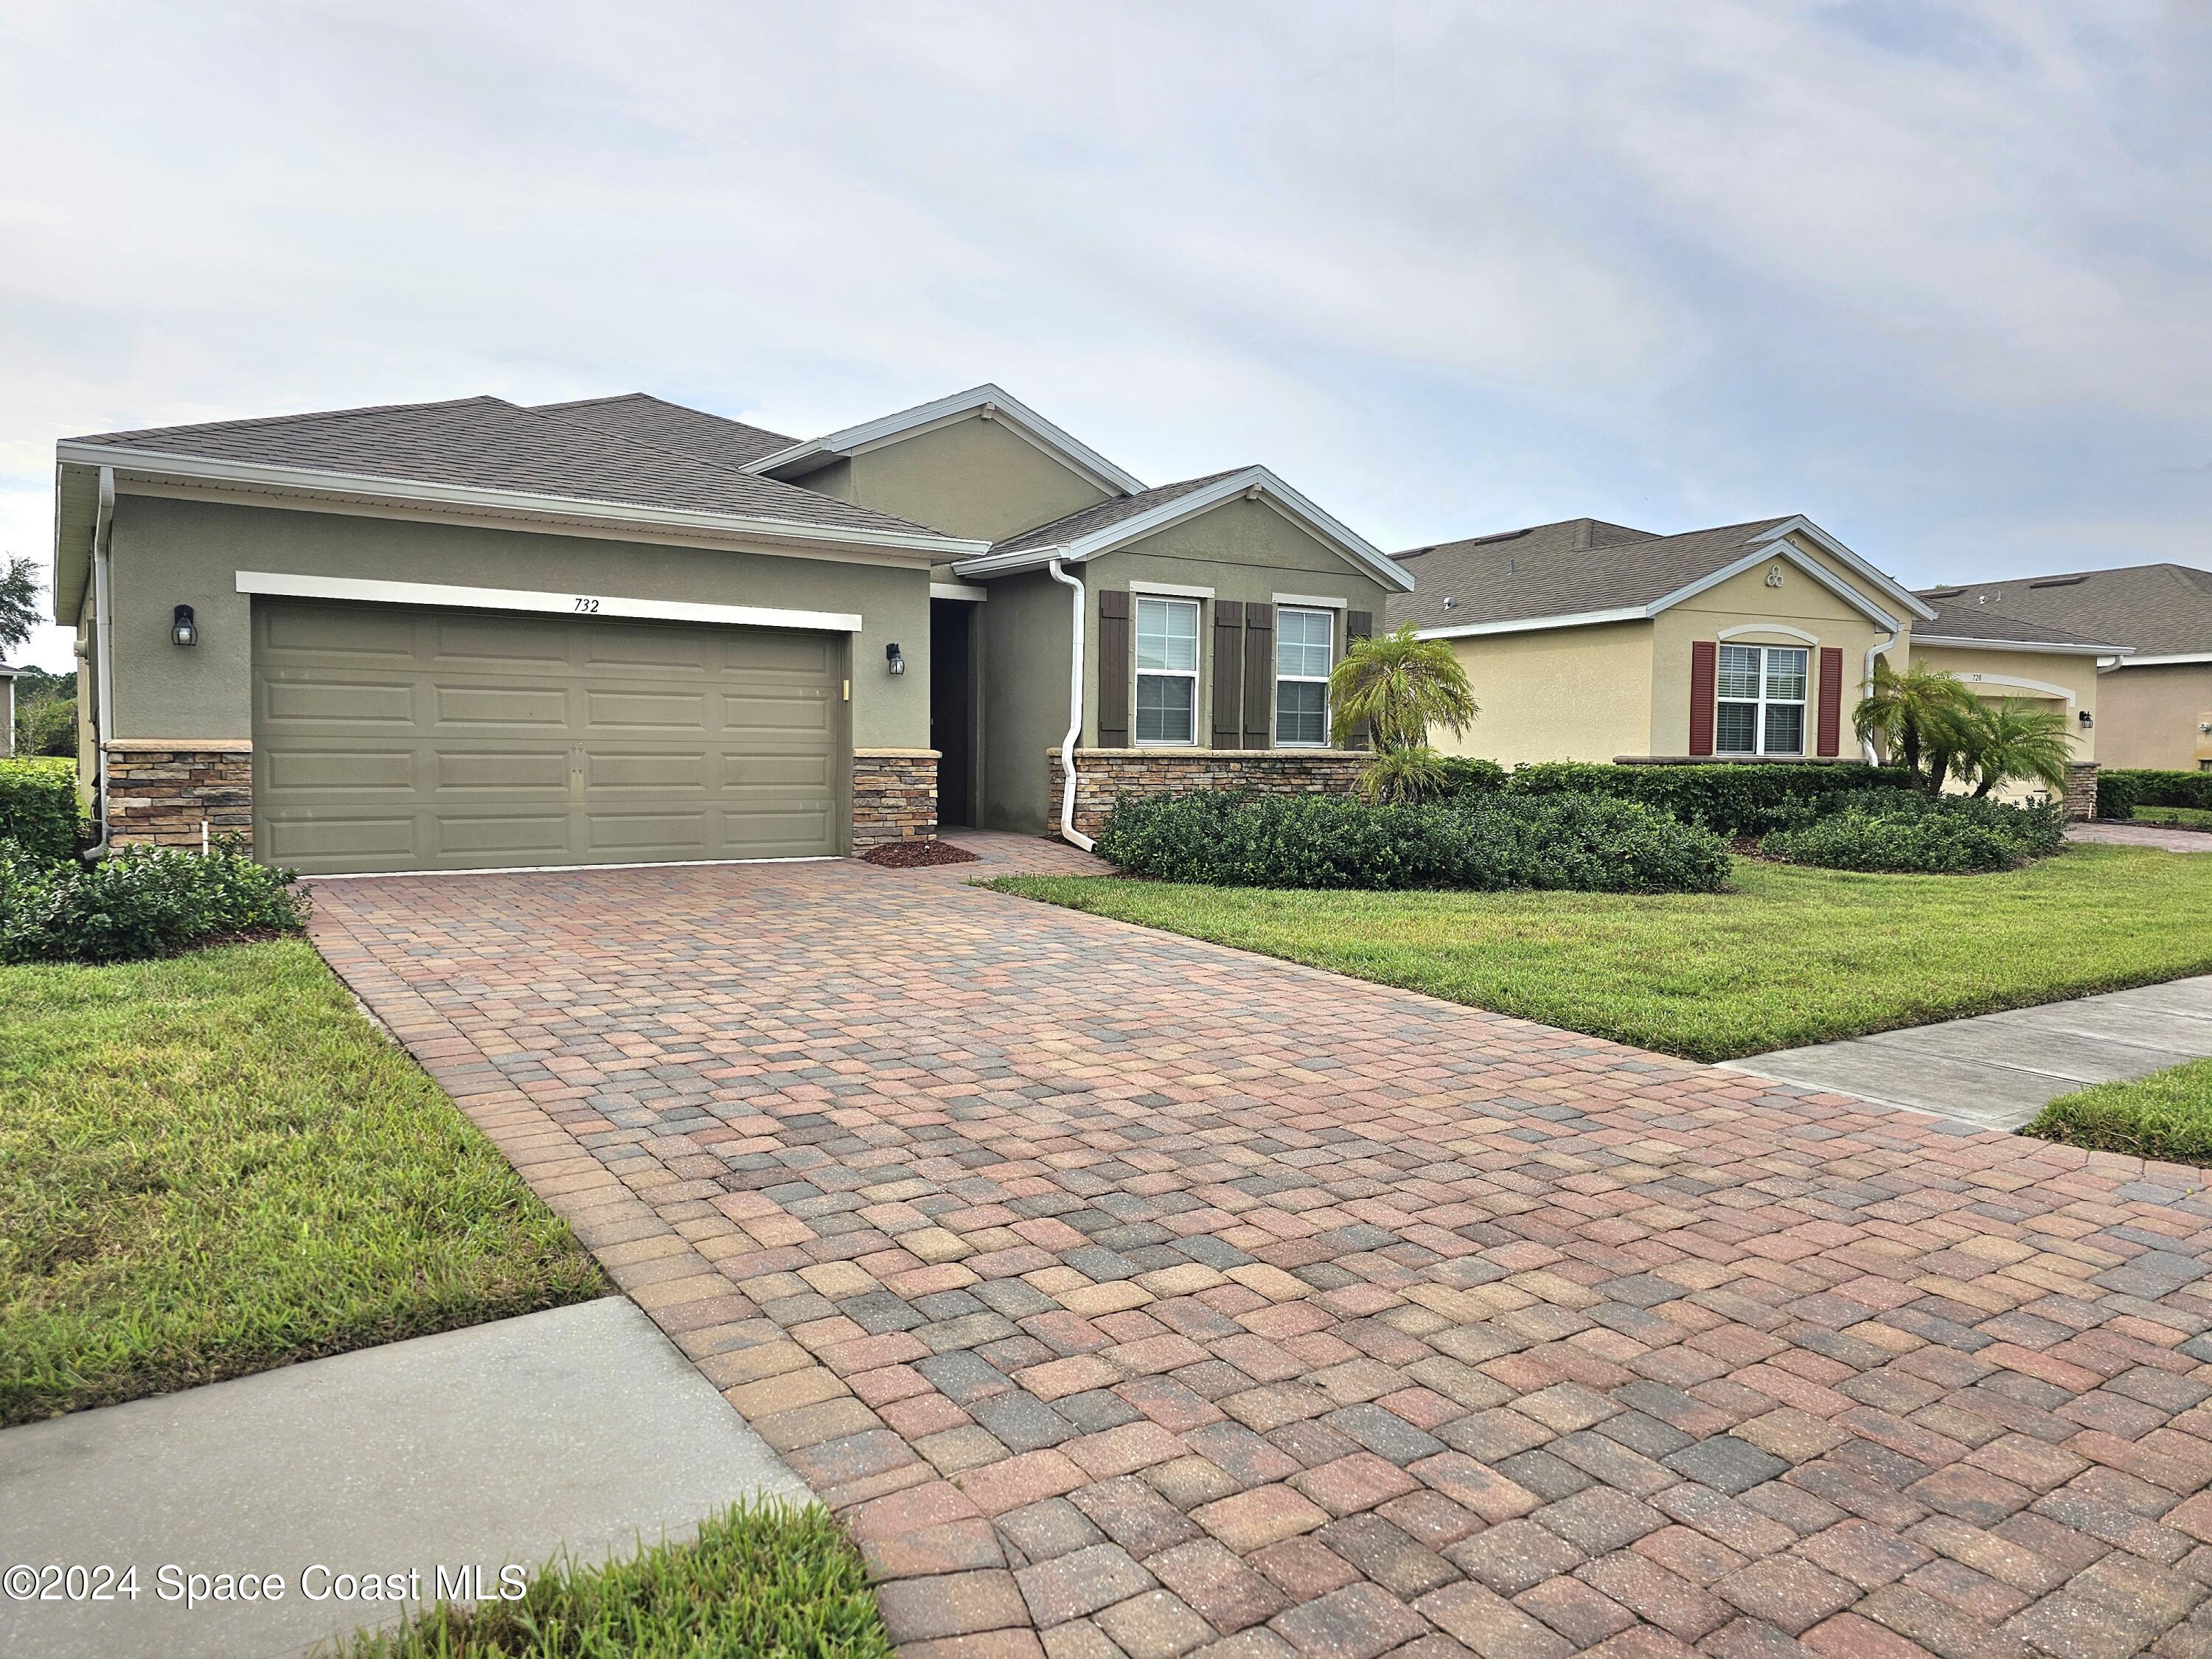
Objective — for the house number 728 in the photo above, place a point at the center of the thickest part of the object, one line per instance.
(587, 605)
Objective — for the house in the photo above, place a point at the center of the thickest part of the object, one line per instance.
(1588, 641)
(8, 709)
(2155, 702)
(475, 635)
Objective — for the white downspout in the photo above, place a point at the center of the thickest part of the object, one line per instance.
(1067, 829)
(103, 667)
(1874, 651)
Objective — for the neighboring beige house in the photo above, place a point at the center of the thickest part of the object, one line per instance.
(475, 634)
(1594, 641)
(2154, 702)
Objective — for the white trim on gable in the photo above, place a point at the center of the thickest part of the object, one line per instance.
(1820, 538)
(1257, 482)
(988, 400)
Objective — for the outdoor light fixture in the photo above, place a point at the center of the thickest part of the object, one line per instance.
(182, 629)
(892, 660)
(2086, 720)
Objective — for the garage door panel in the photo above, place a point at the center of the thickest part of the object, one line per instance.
(521, 740)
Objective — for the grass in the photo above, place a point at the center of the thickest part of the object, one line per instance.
(213, 1164)
(1792, 955)
(2167, 1115)
(761, 1581)
(2184, 817)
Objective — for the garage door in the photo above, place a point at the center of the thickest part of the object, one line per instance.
(391, 737)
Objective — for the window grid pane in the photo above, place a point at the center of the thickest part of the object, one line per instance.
(1167, 634)
(1302, 643)
(1736, 730)
(1165, 705)
(1739, 670)
(1785, 728)
(1786, 675)
(1301, 712)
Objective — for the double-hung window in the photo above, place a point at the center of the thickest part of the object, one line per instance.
(1305, 643)
(1167, 671)
(1761, 700)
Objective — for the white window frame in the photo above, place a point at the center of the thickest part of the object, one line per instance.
(1760, 704)
(1282, 679)
(1138, 675)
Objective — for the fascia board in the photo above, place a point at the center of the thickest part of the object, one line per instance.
(2059, 647)
(367, 486)
(1902, 596)
(2167, 659)
(588, 606)
(909, 421)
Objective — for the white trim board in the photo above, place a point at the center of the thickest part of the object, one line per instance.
(367, 591)
(986, 400)
(1953, 642)
(1312, 602)
(2168, 660)
(959, 591)
(1171, 590)
(2013, 682)
(1749, 628)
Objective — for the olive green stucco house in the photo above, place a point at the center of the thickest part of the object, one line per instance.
(473, 635)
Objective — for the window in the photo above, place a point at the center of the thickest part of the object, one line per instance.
(1304, 641)
(1167, 671)
(1761, 700)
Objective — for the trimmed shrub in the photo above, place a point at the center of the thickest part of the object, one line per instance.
(1729, 801)
(38, 808)
(1463, 776)
(142, 902)
(1485, 842)
(2119, 792)
(1936, 835)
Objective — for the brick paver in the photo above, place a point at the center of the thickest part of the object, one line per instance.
(1129, 1296)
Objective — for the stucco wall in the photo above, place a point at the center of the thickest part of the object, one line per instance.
(1021, 636)
(1557, 694)
(1244, 551)
(167, 551)
(1745, 601)
(2045, 676)
(974, 478)
(2149, 716)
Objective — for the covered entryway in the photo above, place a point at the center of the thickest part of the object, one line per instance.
(402, 738)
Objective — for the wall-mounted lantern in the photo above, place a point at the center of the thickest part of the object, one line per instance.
(2085, 720)
(182, 629)
(892, 658)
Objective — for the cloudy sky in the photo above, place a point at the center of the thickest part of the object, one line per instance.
(1938, 275)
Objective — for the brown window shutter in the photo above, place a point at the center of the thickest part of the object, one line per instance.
(1831, 725)
(1258, 676)
(1228, 672)
(1113, 669)
(1705, 668)
(1359, 624)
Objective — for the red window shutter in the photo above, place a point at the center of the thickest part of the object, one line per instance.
(1831, 727)
(1704, 666)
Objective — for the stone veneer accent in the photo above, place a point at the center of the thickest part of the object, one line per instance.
(1103, 774)
(159, 793)
(894, 796)
(2082, 789)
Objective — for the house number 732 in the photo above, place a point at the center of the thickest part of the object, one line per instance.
(587, 605)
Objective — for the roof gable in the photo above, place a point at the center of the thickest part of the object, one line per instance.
(988, 402)
(1115, 523)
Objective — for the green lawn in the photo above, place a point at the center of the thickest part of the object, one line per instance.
(2185, 817)
(213, 1164)
(2168, 1115)
(1793, 955)
(766, 1581)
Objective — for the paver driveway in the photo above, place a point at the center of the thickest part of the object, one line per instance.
(1135, 1295)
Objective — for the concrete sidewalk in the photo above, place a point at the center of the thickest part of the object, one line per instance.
(580, 1429)
(1998, 1071)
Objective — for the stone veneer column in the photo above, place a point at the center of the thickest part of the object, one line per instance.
(162, 790)
(2082, 789)
(894, 796)
(1104, 774)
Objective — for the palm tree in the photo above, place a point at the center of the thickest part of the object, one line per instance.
(1397, 687)
(2015, 739)
(1923, 714)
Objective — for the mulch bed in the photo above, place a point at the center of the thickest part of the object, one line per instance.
(916, 854)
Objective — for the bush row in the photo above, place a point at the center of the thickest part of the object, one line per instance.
(1484, 841)
(2119, 792)
(38, 809)
(1729, 801)
(142, 902)
(1906, 831)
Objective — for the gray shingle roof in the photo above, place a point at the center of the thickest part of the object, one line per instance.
(488, 443)
(671, 426)
(1085, 521)
(1563, 569)
(2154, 610)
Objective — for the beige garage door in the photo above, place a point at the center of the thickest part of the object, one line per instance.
(390, 737)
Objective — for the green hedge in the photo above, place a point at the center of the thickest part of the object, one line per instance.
(1481, 841)
(1905, 831)
(1729, 801)
(39, 808)
(142, 902)
(2119, 792)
